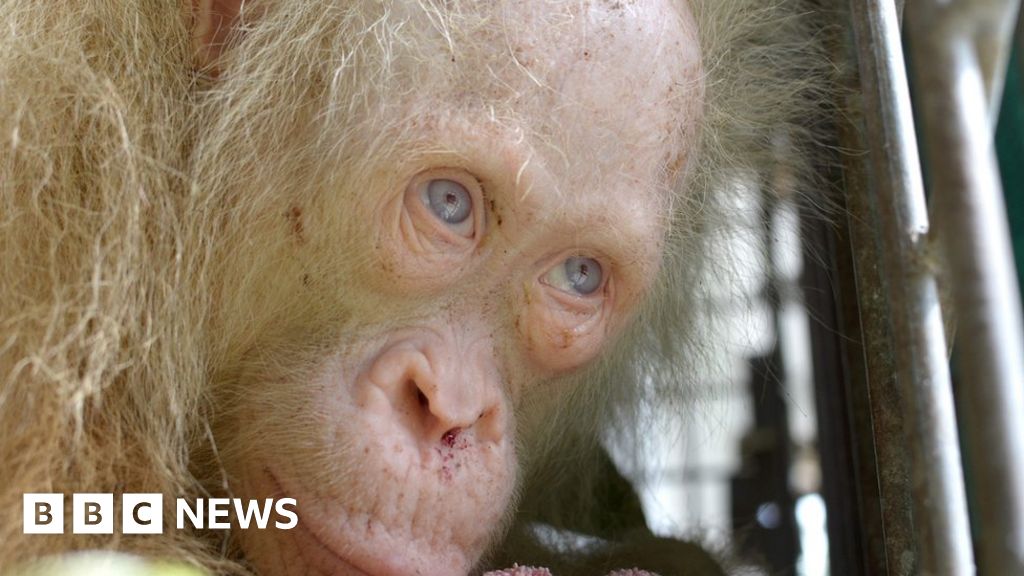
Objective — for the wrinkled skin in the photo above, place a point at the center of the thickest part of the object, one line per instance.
(554, 228)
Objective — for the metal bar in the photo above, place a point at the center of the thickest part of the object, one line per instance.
(971, 216)
(849, 476)
(940, 509)
(874, 400)
(879, 429)
(1020, 40)
(990, 23)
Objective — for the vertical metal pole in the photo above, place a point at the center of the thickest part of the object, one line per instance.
(971, 215)
(876, 400)
(992, 23)
(940, 509)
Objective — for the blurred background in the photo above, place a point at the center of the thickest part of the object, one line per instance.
(794, 456)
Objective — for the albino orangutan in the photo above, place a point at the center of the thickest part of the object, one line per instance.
(399, 261)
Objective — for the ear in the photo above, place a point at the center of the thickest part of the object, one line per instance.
(213, 22)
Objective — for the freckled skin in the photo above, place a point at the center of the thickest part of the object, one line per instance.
(411, 426)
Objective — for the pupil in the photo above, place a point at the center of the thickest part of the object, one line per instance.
(449, 200)
(579, 276)
(583, 274)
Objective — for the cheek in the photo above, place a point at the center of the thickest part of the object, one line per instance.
(558, 339)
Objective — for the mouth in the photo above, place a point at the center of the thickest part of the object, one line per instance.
(317, 553)
(322, 558)
(313, 550)
(369, 505)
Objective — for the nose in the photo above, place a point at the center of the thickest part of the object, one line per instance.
(439, 394)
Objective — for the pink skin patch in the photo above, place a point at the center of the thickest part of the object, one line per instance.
(449, 437)
(451, 444)
(520, 571)
(530, 571)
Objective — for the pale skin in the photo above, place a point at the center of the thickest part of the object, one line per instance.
(517, 253)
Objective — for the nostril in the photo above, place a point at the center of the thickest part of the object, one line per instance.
(437, 414)
(424, 402)
(449, 437)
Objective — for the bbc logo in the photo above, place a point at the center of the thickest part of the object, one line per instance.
(143, 513)
(93, 513)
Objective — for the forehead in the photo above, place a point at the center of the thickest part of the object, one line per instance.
(611, 92)
(600, 95)
(598, 75)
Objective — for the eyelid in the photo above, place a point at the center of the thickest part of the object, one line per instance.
(585, 307)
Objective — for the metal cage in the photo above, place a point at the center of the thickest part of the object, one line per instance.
(908, 291)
